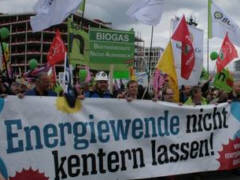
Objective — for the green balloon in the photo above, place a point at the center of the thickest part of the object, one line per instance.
(82, 75)
(33, 64)
(214, 56)
(4, 33)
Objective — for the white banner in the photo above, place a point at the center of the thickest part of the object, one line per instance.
(107, 139)
(197, 35)
(222, 23)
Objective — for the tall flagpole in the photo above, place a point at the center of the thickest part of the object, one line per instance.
(208, 55)
(209, 31)
(83, 10)
(150, 58)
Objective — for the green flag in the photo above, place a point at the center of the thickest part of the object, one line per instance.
(224, 81)
(82, 7)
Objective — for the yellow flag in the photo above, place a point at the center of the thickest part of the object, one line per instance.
(166, 65)
(132, 74)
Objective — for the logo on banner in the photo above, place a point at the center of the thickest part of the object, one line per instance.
(29, 174)
(63, 106)
(230, 155)
(225, 20)
(187, 49)
(218, 15)
(221, 55)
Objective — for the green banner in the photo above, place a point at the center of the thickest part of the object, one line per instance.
(78, 44)
(224, 81)
(78, 50)
(121, 75)
(111, 46)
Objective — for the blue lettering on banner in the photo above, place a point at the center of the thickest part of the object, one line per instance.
(86, 133)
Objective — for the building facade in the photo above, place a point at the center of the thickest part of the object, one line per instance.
(25, 45)
(237, 70)
(151, 58)
(139, 60)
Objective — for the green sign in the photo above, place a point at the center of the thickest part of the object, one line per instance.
(224, 81)
(111, 46)
(121, 75)
(78, 50)
(78, 44)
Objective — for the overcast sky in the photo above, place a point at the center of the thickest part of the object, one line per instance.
(115, 11)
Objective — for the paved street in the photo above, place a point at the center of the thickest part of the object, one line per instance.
(220, 175)
(228, 175)
(224, 175)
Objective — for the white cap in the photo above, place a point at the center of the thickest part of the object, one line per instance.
(101, 76)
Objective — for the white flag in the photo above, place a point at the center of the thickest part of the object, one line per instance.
(147, 11)
(51, 12)
(222, 23)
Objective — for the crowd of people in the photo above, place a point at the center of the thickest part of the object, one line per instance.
(201, 94)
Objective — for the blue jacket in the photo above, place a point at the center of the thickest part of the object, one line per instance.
(95, 94)
(33, 92)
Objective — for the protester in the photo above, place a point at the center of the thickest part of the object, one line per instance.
(168, 95)
(80, 89)
(131, 92)
(213, 96)
(4, 87)
(42, 86)
(15, 88)
(3, 92)
(185, 93)
(235, 95)
(101, 87)
(143, 93)
(196, 97)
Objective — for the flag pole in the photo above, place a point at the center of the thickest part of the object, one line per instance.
(111, 78)
(83, 11)
(150, 58)
(208, 55)
(209, 32)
